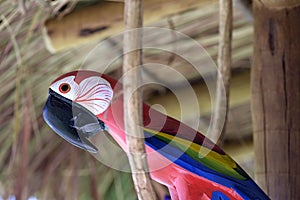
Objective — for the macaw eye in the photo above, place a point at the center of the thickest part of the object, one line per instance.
(64, 88)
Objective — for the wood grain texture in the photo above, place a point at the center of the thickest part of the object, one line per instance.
(280, 3)
(133, 100)
(275, 100)
(224, 71)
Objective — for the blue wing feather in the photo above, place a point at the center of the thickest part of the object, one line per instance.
(246, 188)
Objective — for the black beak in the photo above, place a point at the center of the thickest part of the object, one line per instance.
(71, 121)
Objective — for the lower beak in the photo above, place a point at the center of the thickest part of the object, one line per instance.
(69, 119)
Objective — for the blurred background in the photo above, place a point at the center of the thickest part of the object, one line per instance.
(41, 40)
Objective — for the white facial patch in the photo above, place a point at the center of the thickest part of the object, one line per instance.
(73, 87)
(94, 93)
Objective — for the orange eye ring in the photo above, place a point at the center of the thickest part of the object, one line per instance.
(64, 88)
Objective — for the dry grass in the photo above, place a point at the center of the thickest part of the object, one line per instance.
(34, 160)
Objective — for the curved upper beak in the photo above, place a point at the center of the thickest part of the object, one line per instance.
(71, 121)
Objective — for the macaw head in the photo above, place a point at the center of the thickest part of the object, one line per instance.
(75, 99)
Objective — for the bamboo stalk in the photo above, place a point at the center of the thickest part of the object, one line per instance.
(132, 100)
(224, 73)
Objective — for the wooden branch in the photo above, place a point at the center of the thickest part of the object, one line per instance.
(133, 100)
(224, 71)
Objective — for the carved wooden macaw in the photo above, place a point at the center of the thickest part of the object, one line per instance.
(82, 103)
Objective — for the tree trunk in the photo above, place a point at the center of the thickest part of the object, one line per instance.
(276, 99)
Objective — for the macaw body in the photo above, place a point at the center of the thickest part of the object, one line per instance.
(184, 160)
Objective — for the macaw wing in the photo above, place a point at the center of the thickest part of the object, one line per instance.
(195, 153)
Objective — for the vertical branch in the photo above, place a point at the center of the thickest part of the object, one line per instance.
(224, 73)
(132, 99)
